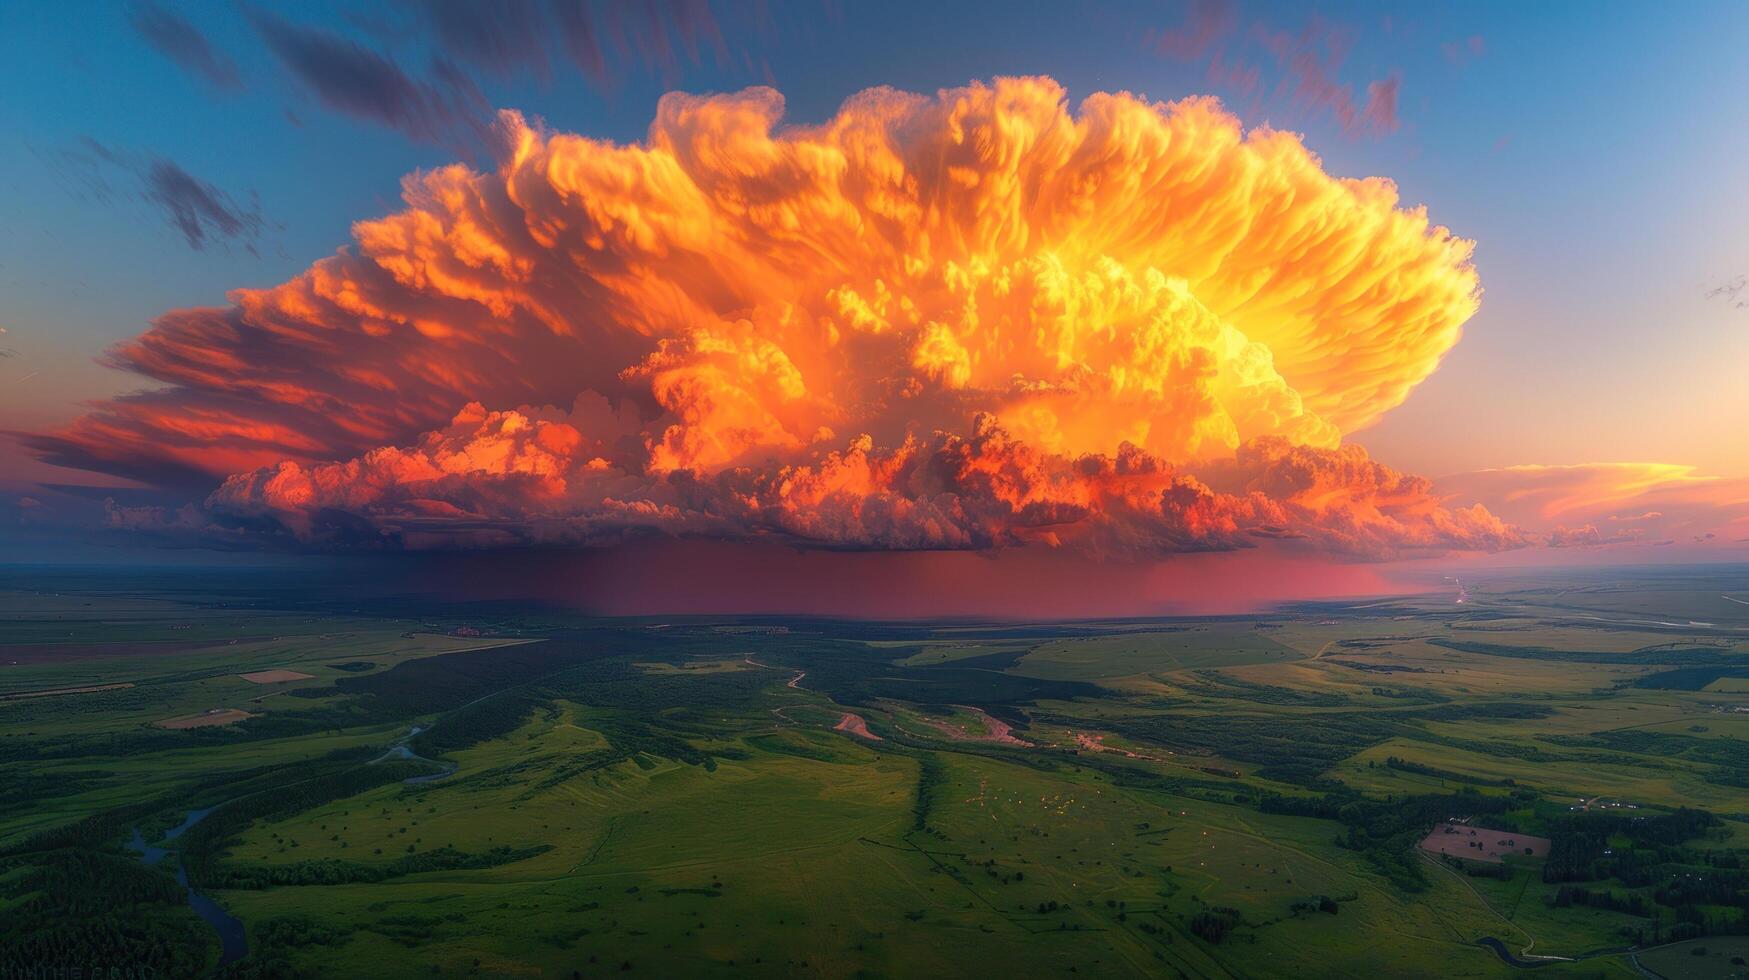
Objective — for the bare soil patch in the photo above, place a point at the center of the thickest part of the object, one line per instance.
(1481, 844)
(855, 725)
(212, 716)
(1096, 743)
(276, 676)
(995, 729)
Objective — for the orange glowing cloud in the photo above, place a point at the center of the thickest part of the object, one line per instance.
(1590, 504)
(498, 478)
(960, 321)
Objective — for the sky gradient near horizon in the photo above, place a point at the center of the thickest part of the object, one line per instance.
(165, 155)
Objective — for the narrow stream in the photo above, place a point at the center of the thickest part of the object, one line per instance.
(233, 941)
(401, 750)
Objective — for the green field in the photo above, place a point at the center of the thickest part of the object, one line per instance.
(503, 792)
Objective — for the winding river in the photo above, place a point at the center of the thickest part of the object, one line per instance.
(233, 940)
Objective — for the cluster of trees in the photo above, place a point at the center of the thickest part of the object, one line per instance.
(1648, 852)
(481, 721)
(1289, 749)
(1653, 655)
(1712, 887)
(1214, 924)
(1481, 869)
(332, 871)
(1486, 711)
(1689, 678)
(1581, 845)
(1422, 769)
(20, 783)
(272, 941)
(74, 908)
(1419, 695)
(575, 766)
(1601, 898)
(1386, 831)
(1731, 753)
(930, 776)
(296, 931)
(25, 712)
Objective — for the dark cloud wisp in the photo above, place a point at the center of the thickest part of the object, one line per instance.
(172, 36)
(199, 211)
(501, 37)
(356, 81)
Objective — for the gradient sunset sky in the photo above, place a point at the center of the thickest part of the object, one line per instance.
(1585, 403)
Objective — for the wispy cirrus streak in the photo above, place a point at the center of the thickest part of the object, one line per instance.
(966, 320)
(1586, 504)
(173, 36)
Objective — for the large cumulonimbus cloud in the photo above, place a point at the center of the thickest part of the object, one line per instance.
(962, 321)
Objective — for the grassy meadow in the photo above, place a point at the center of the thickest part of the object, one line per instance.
(509, 793)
